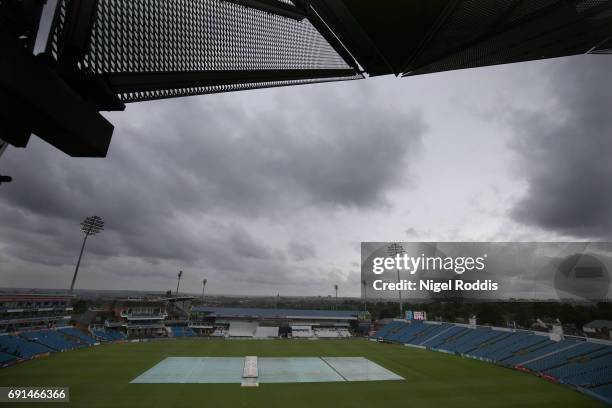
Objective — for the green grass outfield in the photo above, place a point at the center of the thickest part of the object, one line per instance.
(100, 376)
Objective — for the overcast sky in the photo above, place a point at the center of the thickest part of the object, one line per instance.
(273, 190)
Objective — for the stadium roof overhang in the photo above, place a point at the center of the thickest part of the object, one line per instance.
(293, 314)
(35, 297)
(178, 298)
(102, 55)
(322, 317)
(418, 37)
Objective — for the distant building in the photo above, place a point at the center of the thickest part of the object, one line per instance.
(93, 318)
(34, 311)
(599, 328)
(139, 317)
(249, 322)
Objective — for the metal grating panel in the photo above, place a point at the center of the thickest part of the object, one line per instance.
(57, 28)
(132, 37)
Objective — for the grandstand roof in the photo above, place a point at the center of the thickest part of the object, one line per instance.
(277, 313)
(411, 38)
(34, 296)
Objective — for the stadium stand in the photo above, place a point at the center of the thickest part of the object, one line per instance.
(562, 357)
(263, 332)
(242, 329)
(387, 329)
(301, 332)
(77, 334)
(6, 358)
(539, 350)
(108, 336)
(441, 334)
(528, 341)
(219, 332)
(100, 335)
(331, 333)
(51, 339)
(491, 350)
(117, 335)
(430, 333)
(21, 347)
(412, 332)
(591, 373)
(402, 331)
(480, 338)
(455, 332)
(325, 333)
(577, 362)
(604, 390)
(182, 331)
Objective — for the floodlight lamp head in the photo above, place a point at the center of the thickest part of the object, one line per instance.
(395, 249)
(92, 225)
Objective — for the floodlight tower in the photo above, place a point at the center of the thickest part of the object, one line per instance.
(394, 250)
(90, 226)
(336, 289)
(365, 296)
(203, 287)
(179, 281)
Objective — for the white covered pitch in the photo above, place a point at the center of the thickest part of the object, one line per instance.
(269, 370)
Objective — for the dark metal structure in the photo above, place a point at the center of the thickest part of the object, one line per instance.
(101, 54)
(419, 37)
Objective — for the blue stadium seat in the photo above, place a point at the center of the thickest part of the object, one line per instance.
(580, 363)
(470, 341)
(181, 331)
(21, 347)
(604, 390)
(116, 335)
(539, 350)
(588, 370)
(389, 327)
(52, 339)
(494, 343)
(5, 358)
(448, 336)
(406, 333)
(431, 333)
(505, 348)
(108, 336)
(562, 357)
(76, 333)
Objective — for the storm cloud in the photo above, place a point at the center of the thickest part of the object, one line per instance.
(183, 177)
(564, 148)
(270, 191)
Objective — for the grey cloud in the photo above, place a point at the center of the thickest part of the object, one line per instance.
(301, 251)
(564, 149)
(244, 245)
(182, 174)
